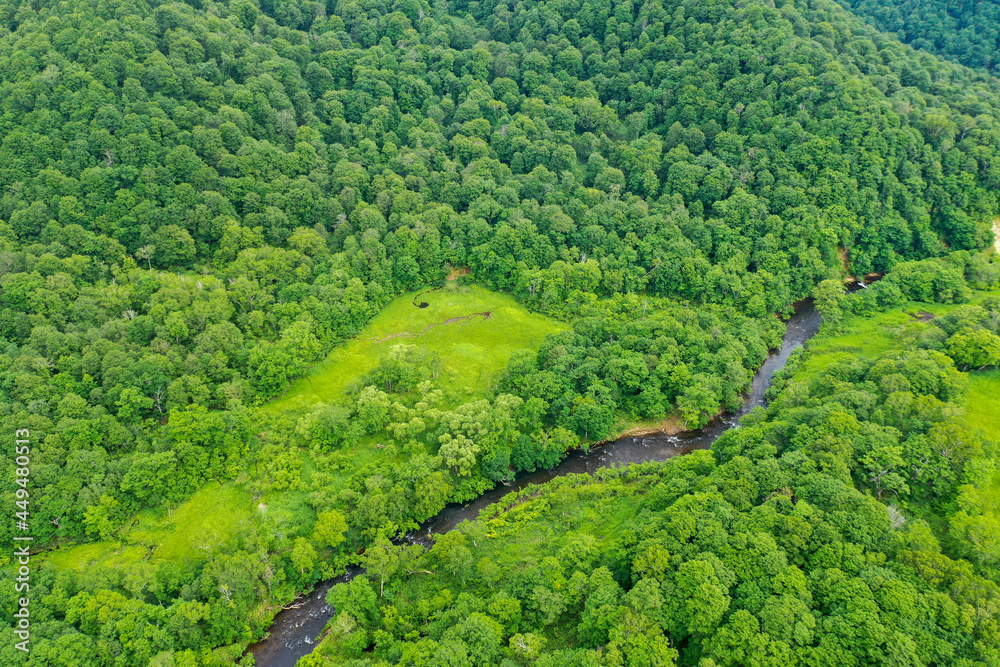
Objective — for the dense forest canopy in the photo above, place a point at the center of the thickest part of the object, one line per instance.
(965, 31)
(199, 200)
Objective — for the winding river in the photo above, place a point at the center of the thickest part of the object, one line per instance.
(294, 630)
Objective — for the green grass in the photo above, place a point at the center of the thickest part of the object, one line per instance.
(982, 403)
(866, 337)
(991, 496)
(210, 518)
(84, 555)
(472, 350)
(871, 336)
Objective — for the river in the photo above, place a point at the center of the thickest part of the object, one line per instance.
(294, 630)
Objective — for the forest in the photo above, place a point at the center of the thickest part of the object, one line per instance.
(963, 31)
(220, 225)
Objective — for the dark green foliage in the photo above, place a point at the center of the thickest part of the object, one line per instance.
(964, 31)
(618, 360)
(199, 200)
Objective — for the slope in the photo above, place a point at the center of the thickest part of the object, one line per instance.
(965, 32)
(292, 168)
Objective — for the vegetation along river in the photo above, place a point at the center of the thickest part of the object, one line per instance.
(294, 631)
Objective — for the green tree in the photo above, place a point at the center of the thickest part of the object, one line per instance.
(829, 297)
(974, 349)
(330, 528)
(382, 559)
(303, 555)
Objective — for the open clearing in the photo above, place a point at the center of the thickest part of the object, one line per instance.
(471, 346)
(981, 407)
(983, 403)
(209, 518)
(871, 336)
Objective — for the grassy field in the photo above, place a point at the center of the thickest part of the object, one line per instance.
(981, 408)
(983, 403)
(472, 348)
(211, 517)
(188, 534)
(869, 337)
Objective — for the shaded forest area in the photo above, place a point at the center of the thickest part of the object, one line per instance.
(966, 31)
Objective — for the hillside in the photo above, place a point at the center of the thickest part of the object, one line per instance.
(200, 202)
(965, 32)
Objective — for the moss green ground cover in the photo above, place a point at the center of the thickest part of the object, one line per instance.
(982, 406)
(208, 519)
(471, 350)
(871, 336)
(982, 411)
(211, 517)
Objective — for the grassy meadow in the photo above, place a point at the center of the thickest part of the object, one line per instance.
(981, 412)
(188, 533)
(472, 350)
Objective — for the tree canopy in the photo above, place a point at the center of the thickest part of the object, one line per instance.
(200, 200)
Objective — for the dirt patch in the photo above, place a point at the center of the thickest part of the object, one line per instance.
(457, 272)
(402, 334)
(669, 426)
(486, 314)
(921, 316)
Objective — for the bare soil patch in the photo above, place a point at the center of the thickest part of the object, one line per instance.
(457, 272)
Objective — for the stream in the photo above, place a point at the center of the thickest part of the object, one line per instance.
(293, 632)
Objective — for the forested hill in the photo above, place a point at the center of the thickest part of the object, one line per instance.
(198, 201)
(966, 31)
(684, 135)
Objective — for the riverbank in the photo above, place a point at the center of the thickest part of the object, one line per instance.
(672, 424)
(292, 634)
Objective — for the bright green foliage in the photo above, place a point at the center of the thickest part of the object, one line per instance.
(976, 349)
(469, 349)
(829, 298)
(772, 549)
(330, 528)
